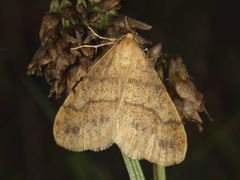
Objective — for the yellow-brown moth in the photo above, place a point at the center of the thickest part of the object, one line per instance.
(122, 100)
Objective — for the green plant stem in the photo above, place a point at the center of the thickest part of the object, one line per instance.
(134, 168)
(159, 172)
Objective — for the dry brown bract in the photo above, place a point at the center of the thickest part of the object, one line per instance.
(188, 100)
(122, 100)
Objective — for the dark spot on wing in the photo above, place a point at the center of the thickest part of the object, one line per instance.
(72, 130)
(166, 144)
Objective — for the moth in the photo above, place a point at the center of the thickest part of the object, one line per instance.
(122, 100)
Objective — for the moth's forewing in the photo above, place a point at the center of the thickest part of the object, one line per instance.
(84, 121)
(148, 125)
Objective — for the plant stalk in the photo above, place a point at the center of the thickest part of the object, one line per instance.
(134, 168)
(159, 172)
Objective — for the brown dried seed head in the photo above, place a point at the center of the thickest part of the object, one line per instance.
(88, 51)
(120, 22)
(178, 69)
(142, 41)
(114, 32)
(186, 90)
(76, 73)
(67, 12)
(52, 51)
(51, 73)
(47, 36)
(62, 46)
(68, 38)
(94, 16)
(90, 37)
(57, 88)
(56, 57)
(183, 90)
(39, 54)
(82, 11)
(63, 62)
(156, 51)
(40, 59)
(45, 60)
(128, 24)
(135, 24)
(50, 21)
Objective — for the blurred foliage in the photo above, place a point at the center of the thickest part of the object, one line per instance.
(203, 32)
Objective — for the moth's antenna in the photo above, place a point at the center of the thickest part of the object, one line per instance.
(92, 46)
(101, 37)
(128, 26)
(112, 41)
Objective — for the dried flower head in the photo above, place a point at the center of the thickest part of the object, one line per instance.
(188, 100)
(68, 26)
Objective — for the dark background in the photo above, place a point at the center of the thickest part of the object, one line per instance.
(203, 32)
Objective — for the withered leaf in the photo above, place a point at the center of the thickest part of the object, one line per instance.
(122, 100)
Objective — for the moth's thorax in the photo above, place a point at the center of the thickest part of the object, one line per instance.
(128, 51)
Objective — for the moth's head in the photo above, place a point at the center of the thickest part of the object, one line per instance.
(129, 36)
(128, 49)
